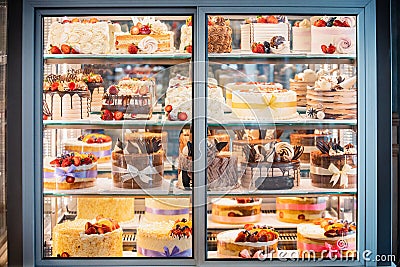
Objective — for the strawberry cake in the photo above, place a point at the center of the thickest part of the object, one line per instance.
(70, 171)
(82, 238)
(331, 35)
(96, 144)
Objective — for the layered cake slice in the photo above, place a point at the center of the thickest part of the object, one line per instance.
(139, 163)
(253, 239)
(81, 238)
(334, 166)
(236, 210)
(165, 239)
(271, 167)
(70, 171)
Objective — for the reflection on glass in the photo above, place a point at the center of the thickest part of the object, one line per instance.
(290, 89)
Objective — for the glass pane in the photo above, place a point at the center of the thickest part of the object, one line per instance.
(117, 105)
(284, 186)
(3, 75)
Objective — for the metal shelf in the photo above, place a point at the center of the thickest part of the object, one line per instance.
(237, 56)
(160, 58)
(305, 188)
(105, 187)
(158, 121)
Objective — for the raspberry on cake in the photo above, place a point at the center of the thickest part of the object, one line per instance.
(97, 144)
(70, 171)
(253, 238)
(272, 166)
(236, 210)
(165, 239)
(80, 238)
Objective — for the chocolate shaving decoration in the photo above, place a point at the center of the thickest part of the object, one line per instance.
(337, 87)
(154, 145)
(239, 134)
(87, 71)
(298, 151)
(323, 146)
(52, 78)
(132, 149)
(70, 77)
(218, 20)
(263, 133)
(220, 145)
(190, 149)
(340, 79)
(119, 144)
(250, 153)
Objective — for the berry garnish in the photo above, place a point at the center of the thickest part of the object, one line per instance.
(320, 23)
(54, 49)
(72, 86)
(188, 49)
(145, 29)
(134, 30)
(66, 49)
(132, 49)
(272, 19)
(112, 90)
(70, 179)
(118, 115)
(168, 108)
(260, 48)
(182, 116)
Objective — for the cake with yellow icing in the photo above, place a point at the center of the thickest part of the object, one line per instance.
(166, 209)
(121, 209)
(80, 238)
(259, 103)
(97, 144)
(236, 210)
(165, 239)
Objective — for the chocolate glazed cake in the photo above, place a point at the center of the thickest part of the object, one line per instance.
(138, 163)
(334, 166)
(272, 166)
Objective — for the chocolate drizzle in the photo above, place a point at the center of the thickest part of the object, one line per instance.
(81, 94)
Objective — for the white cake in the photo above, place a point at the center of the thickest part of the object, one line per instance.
(186, 37)
(68, 106)
(301, 36)
(120, 209)
(179, 96)
(343, 38)
(163, 239)
(264, 105)
(87, 38)
(166, 209)
(260, 32)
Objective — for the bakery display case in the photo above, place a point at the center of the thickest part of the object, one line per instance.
(208, 134)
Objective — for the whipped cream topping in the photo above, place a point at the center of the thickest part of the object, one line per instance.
(148, 45)
(305, 23)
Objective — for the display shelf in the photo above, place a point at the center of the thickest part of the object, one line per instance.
(305, 188)
(283, 255)
(159, 58)
(158, 121)
(293, 58)
(105, 187)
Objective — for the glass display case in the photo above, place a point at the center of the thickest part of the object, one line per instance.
(206, 134)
